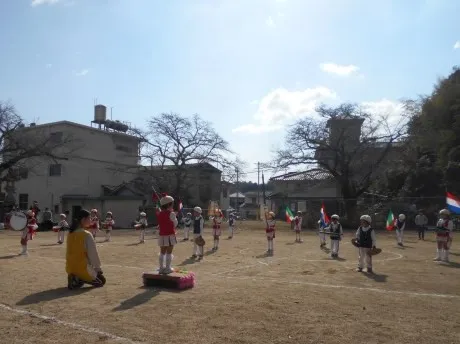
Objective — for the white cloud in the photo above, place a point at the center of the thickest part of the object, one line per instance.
(43, 2)
(270, 22)
(83, 72)
(457, 45)
(389, 109)
(282, 106)
(341, 70)
(49, 65)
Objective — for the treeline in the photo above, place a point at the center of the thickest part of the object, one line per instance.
(430, 164)
(251, 186)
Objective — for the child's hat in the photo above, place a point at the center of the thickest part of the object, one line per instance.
(143, 214)
(366, 218)
(165, 199)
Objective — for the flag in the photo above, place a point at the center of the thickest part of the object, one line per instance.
(289, 215)
(155, 199)
(453, 203)
(323, 216)
(390, 221)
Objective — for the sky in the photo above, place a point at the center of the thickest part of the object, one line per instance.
(251, 67)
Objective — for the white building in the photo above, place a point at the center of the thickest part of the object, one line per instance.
(97, 165)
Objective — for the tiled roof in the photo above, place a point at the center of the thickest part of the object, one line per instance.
(316, 174)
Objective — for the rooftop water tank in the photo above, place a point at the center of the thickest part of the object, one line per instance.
(100, 114)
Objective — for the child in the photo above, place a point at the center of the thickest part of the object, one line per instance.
(444, 229)
(400, 224)
(322, 235)
(167, 221)
(270, 231)
(82, 259)
(94, 223)
(231, 223)
(63, 226)
(421, 221)
(141, 225)
(198, 225)
(187, 225)
(108, 225)
(336, 233)
(365, 237)
(298, 226)
(28, 233)
(216, 230)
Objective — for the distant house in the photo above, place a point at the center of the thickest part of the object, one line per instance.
(237, 199)
(96, 161)
(202, 182)
(226, 190)
(304, 191)
(345, 137)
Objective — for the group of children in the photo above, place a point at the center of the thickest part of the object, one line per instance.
(366, 239)
(83, 264)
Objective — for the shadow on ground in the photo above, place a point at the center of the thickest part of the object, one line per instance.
(50, 295)
(381, 278)
(9, 256)
(137, 300)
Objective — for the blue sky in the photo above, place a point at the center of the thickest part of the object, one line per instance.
(250, 67)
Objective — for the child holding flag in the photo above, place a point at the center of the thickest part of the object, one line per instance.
(298, 226)
(400, 225)
(443, 230)
(336, 233)
(323, 223)
(231, 223)
(187, 225)
(270, 231)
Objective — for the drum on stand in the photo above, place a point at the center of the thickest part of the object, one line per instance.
(18, 221)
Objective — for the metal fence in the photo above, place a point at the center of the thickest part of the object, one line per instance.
(377, 206)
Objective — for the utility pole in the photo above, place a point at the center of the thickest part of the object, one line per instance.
(237, 190)
(263, 188)
(258, 186)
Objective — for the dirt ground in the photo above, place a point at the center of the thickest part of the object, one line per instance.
(300, 295)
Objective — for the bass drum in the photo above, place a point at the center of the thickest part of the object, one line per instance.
(18, 221)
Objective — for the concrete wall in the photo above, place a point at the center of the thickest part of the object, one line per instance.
(95, 158)
(320, 189)
(124, 211)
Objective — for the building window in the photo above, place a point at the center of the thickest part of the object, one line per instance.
(123, 149)
(23, 173)
(55, 170)
(253, 200)
(23, 201)
(56, 137)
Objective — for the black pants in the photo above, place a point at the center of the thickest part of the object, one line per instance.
(421, 232)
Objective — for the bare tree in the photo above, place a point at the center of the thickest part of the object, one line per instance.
(345, 141)
(21, 149)
(173, 142)
(234, 169)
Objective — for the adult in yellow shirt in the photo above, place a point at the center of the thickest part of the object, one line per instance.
(82, 259)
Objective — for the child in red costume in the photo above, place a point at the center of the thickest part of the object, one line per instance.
(216, 230)
(298, 226)
(28, 233)
(167, 223)
(94, 223)
(270, 231)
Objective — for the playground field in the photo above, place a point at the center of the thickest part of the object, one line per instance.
(300, 295)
